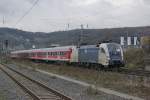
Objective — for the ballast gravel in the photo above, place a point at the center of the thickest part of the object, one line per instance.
(9, 90)
(73, 90)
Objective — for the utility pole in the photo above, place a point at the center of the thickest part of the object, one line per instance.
(3, 20)
(80, 36)
(127, 38)
(6, 50)
(87, 26)
(1, 51)
(6, 44)
(68, 26)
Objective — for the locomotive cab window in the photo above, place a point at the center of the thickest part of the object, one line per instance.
(102, 50)
(114, 49)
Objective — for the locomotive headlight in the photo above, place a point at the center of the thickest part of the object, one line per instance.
(108, 58)
(118, 50)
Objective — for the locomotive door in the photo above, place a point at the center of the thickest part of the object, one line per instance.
(103, 57)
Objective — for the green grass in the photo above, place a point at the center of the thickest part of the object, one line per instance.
(2, 97)
(111, 80)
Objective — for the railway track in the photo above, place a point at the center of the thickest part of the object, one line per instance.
(122, 70)
(36, 89)
(125, 71)
(134, 72)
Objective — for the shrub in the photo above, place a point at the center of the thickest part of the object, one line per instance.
(134, 58)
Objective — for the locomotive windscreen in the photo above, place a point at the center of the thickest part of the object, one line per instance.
(114, 51)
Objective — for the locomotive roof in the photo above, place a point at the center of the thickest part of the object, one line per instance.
(95, 46)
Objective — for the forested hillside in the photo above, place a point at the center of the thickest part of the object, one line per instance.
(19, 39)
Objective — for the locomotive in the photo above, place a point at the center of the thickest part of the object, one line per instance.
(104, 54)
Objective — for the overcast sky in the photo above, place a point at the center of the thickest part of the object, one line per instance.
(54, 15)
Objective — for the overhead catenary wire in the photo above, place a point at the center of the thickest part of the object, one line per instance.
(54, 23)
(27, 12)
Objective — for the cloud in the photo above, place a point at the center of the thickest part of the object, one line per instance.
(53, 15)
(146, 1)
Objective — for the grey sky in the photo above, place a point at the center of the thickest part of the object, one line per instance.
(54, 15)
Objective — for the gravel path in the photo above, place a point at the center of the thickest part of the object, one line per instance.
(9, 90)
(76, 91)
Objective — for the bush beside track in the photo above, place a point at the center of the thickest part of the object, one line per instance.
(134, 58)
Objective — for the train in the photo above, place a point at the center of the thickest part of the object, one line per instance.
(103, 54)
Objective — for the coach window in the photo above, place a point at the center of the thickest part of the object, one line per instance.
(60, 53)
(38, 54)
(55, 53)
(63, 53)
(52, 53)
(49, 53)
(33, 54)
(43, 53)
